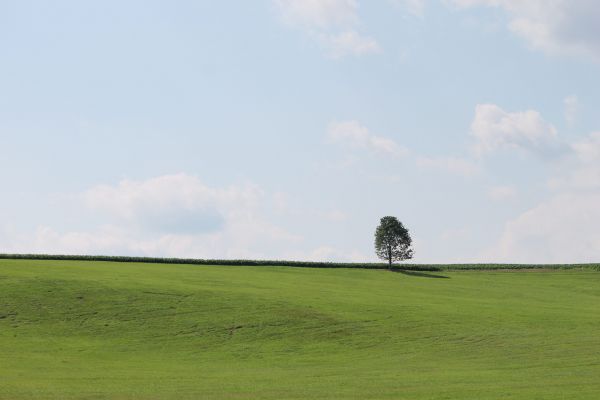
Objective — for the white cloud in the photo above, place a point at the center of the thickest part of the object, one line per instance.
(174, 216)
(173, 203)
(353, 134)
(554, 26)
(502, 193)
(166, 216)
(453, 165)
(334, 24)
(571, 104)
(495, 129)
(563, 229)
(584, 170)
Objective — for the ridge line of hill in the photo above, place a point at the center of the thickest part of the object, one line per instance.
(305, 264)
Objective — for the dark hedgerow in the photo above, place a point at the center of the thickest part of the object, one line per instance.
(305, 264)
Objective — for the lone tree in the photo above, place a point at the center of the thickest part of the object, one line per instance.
(392, 241)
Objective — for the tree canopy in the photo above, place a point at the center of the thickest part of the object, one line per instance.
(392, 241)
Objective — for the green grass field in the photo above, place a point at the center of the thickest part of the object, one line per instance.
(101, 330)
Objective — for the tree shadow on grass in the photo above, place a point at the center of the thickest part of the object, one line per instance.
(420, 274)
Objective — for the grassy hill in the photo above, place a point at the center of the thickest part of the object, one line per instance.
(105, 330)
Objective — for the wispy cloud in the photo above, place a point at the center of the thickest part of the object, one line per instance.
(353, 134)
(415, 7)
(318, 14)
(571, 104)
(502, 193)
(333, 24)
(453, 165)
(348, 43)
(554, 26)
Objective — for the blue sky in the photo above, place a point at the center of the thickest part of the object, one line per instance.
(285, 129)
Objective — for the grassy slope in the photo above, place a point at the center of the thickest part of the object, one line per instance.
(94, 330)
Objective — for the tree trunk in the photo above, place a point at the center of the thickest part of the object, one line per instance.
(390, 257)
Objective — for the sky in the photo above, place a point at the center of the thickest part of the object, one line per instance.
(285, 129)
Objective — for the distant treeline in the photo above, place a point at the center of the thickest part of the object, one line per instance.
(305, 264)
